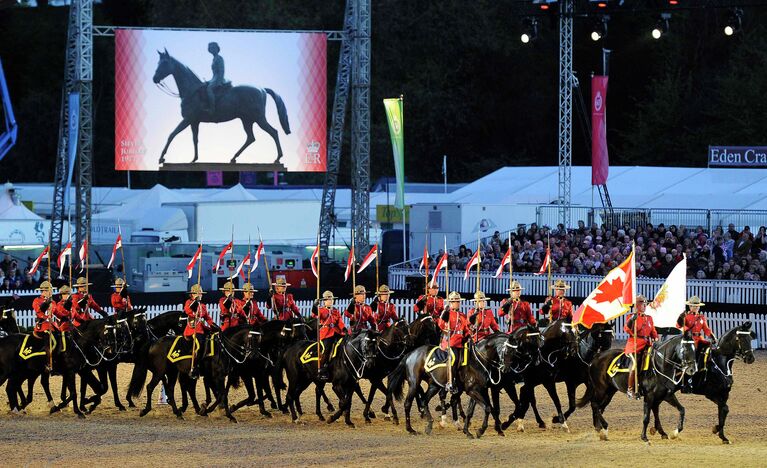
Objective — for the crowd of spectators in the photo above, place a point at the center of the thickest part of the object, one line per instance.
(721, 254)
(14, 277)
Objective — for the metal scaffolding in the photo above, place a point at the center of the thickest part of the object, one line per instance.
(361, 126)
(78, 78)
(566, 80)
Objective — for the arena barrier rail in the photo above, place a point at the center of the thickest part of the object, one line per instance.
(719, 322)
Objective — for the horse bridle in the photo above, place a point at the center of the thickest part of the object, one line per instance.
(358, 371)
(739, 352)
(675, 365)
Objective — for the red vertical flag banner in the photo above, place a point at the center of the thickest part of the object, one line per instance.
(600, 164)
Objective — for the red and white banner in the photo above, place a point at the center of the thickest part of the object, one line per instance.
(83, 254)
(505, 261)
(194, 259)
(473, 261)
(611, 298)
(315, 260)
(600, 164)
(278, 79)
(368, 258)
(259, 253)
(118, 245)
(440, 264)
(424, 260)
(67, 252)
(349, 265)
(39, 260)
(238, 271)
(221, 256)
(545, 264)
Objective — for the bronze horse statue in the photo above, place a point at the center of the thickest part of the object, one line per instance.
(238, 102)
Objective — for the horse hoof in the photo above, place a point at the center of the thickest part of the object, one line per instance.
(520, 425)
(652, 431)
(274, 406)
(233, 419)
(131, 405)
(428, 430)
(458, 425)
(501, 433)
(387, 417)
(371, 414)
(180, 417)
(395, 421)
(675, 434)
(351, 425)
(603, 434)
(51, 405)
(267, 415)
(443, 421)
(54, 410)
(331, 408)
(543, 426)
(469, 436)
(715, 429)
(143, 413)
(664, 437)
(565, 427)
(412, 432)
(726, 441)
(647, 442)
(121, 408)
(80, 416)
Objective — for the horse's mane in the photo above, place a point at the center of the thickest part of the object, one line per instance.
(181, 64)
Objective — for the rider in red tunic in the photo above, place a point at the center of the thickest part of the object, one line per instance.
(360, 314)
(558, 307)
(250, 307)
(384, 312)
(43, 306)
(455, 330)
(120, 299)
(694, 321)
(85, 303)
(198, 322)
(282, 303)
(231, 310)
(63, 310)
(430, 303)
(481, 318)
(636, 344)
(331, 326)
(520, 313)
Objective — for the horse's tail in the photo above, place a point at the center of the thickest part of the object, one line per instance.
(397, 379)
(138, 378)
(586, 398)
(281, 110)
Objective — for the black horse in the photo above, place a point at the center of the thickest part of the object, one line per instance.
(670, 361)
(8, 323)
(353, 356)
(15, 368)
(715, 380)
(239, 102)
(424, 330)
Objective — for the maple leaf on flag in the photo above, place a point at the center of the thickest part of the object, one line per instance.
(609, 292)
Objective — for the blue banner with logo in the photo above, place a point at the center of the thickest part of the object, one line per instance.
(72, 139)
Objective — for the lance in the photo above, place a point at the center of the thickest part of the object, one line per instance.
(426, 262)
(122, 250)
(49, 311)
(196, 312)
(319, 353)
(268, 275)
(551, 292)
(447, 294)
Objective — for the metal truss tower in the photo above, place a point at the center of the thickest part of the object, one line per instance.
(566, 79)
(78, 78)
(361, 126)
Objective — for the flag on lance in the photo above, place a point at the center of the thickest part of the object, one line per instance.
(221, 256)
(472, 262)
(425, 259)
(349, 265)
(611, 298)
(118, 245)
(83, 254)
(315, 260)
(505, 261)
(546, 262)
(238, 270)
(194, 260)
(67, 252)
(36, 264)
(259, 253)
(438, 268)
(368, 258)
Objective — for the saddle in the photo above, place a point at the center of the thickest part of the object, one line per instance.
(310, 353)
(622, 363)
(36, 347)
(437, 358)
(182, 349)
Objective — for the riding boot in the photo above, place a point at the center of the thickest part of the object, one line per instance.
(322, 374)
(631, 385)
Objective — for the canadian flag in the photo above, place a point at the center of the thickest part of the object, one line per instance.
(438, 268)
(36, 264)
(472, 262)
(504, 261)
(315, 261)
(118, 245)
(259, 252)
(67, 252)
(194, 260)
(245, 261)
(368, 258)
(546, 262)
(221, 256)
(83, 254)
(349, 265)
(611, 298)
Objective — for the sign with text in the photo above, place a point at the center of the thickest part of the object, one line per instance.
(737, 156)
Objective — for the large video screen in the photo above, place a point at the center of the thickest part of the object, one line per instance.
(220, 100)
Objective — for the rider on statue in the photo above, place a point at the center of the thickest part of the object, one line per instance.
(218, 76)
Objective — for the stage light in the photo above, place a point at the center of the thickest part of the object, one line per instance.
(599, 29)
(529, 30)
(734, 22)
(661, 26)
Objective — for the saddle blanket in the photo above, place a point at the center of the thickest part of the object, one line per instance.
(310, 353)
(622, 363)
(35, 347)
(437, 358)
(182, 349)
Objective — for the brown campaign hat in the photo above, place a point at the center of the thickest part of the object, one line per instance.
(280, 281)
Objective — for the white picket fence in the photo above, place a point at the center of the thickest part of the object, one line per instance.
(719, 322)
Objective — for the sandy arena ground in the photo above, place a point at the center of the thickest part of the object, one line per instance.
(113, 438)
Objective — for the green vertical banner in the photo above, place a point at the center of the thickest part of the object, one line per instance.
(394, 114)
